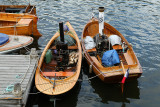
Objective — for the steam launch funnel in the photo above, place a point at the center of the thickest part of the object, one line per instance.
(61, 32)
(101, 20)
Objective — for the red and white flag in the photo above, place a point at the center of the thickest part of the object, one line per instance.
(124, 79)
(125, 76)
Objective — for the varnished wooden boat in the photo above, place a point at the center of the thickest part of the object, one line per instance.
(128, 59)
(58, 76)
(15, 42)
(23, 22)
(30, 9)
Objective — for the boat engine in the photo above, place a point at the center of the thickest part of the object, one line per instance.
(62, 51)
(102, 44)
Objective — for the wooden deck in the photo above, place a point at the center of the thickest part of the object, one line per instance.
(16, 69)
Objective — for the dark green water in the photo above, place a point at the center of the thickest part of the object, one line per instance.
(137, 20)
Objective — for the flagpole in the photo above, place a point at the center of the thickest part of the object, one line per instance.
(126, 73)
(123, 67)
(122, 83)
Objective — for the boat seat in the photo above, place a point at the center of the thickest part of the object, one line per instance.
(128, 59)
(58, 74)
(69, 47)
(25, 21)
(92, 50)
(95, 60)
(117, 47)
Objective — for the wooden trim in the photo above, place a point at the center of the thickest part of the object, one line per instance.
(117, 47)
(92, 50)
(58, 74)
(69, 47)
(128, 58)
(95, 60)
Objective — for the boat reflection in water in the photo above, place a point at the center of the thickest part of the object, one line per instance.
(112, 92)
(68, 99)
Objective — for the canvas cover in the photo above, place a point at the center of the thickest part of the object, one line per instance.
(115, 40)
(67, 39)
(3, 38)
(110, 58)
(89, 42)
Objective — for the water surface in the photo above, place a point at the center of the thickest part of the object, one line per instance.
(137, 20)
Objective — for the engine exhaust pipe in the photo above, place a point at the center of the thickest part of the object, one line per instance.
(101, 20)
(61, 32)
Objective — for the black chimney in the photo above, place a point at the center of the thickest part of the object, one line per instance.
(61, 31)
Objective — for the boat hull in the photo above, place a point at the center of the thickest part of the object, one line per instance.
(57, 87)
(113, 74)
(15, 43)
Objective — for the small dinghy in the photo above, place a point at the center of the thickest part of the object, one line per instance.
(108, 53)
(10, 43)
(60, 63)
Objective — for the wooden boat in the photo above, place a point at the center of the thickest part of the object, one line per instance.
(14, 43)
(30, 9)
(127, 57)
(23, 22)
(59, 75)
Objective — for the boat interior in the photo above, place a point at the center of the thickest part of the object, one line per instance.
(7, 23)
(13, 19)
(10, 20)
(104, 43)
(17, 9)
(61, 59)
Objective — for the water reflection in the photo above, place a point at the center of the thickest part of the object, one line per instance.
(137, 20)
(68, 99)
(112, 92)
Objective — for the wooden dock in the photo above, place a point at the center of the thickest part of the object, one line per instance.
(16, 69)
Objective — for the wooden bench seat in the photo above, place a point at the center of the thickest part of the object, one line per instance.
(92, 50)
(69, 47)
(95, 60)
(25, 21)
(117, 47)
(59, 74)
(128, 59)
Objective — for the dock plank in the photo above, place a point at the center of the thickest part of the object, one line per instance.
(12, 66)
